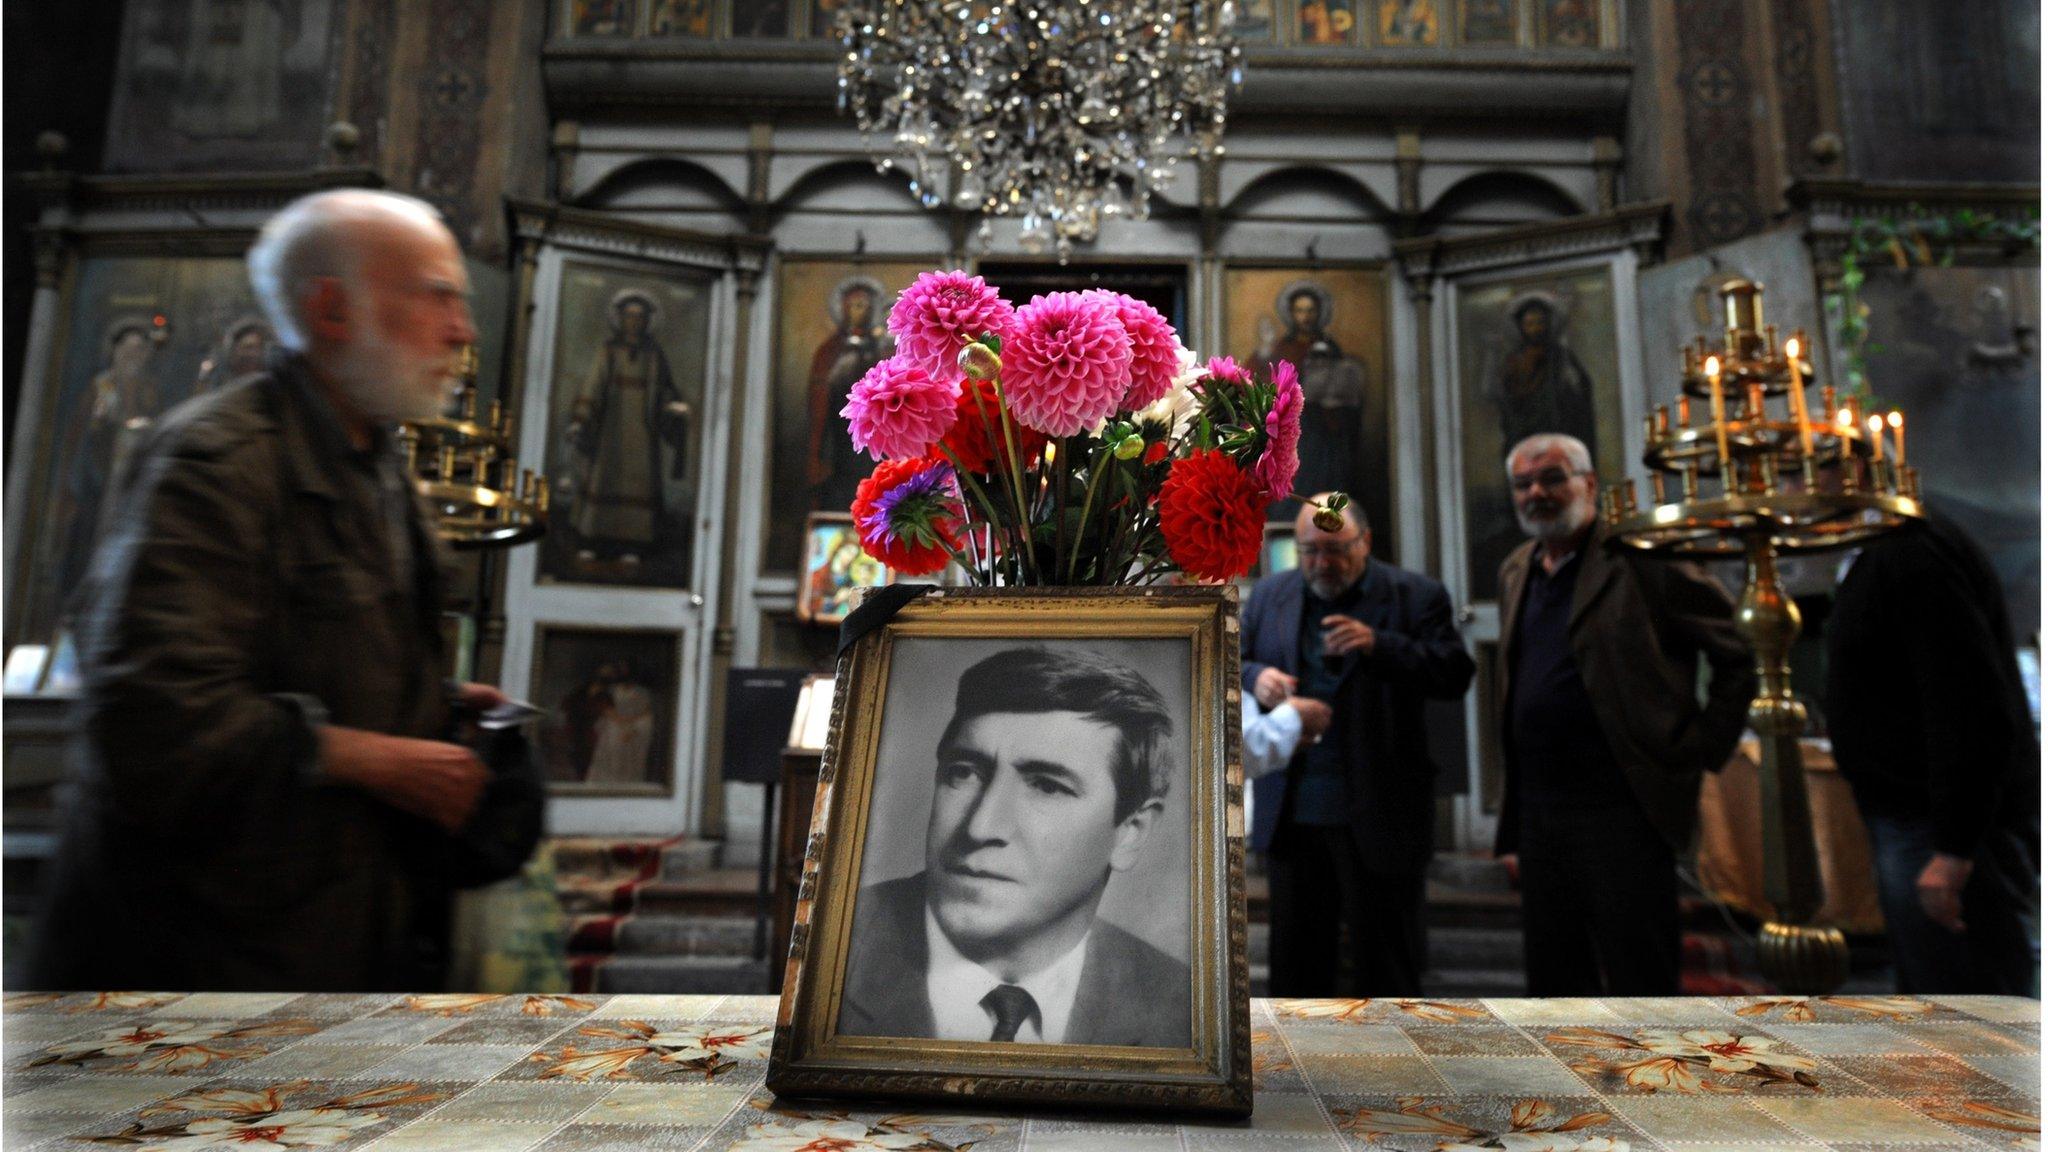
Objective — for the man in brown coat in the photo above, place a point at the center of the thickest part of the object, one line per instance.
(1604, 731)
(264, 795)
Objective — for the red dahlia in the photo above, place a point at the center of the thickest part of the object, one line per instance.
(1212, 514)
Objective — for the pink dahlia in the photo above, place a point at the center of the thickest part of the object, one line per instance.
(898, 411)
(1155, 350)
(1227, 369)
(941, 313)
(1282, 458)
(1066, 363)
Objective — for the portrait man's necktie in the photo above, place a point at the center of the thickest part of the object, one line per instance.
(1012, 1006)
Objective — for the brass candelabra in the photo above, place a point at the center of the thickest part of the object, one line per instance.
(1759, 484)
(469, 472)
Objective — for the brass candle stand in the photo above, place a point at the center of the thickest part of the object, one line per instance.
(1759, 484)
(467, 470)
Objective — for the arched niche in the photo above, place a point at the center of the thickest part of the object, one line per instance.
(1499, 198)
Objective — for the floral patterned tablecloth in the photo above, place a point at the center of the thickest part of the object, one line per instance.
(459, 1072)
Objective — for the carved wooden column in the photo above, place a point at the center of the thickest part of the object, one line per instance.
(747, 288)
(53, 258)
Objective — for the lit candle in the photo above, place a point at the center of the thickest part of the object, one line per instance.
(1897, 420)
(1799, 396)
(1876, 423)
(1720, 414)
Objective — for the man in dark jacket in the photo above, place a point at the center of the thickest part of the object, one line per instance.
(264, 796)
(1603, 731)
(1931, 728)
(1347, 828)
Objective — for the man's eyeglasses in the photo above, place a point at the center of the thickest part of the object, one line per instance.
(1340, 548)
(1548, 478)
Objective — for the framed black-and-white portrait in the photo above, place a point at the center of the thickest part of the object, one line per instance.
(1026, 860)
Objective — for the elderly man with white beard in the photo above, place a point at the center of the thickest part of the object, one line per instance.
(1604, 732)
(266, 797)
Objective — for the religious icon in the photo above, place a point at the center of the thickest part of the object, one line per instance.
(626, 411)
(761, 18)
(242, 349)
(1326, 22)
(1542, 387)
(611, 704)
(623, 450)
(1488, 22)
(1570, 24)
(1535, 354)
(214, 85)
(122, 401)
(681, 18)
(831, 329)
(836, 569)
(859, 340)
(1332, 384)
(1408, 23)
(601, 17)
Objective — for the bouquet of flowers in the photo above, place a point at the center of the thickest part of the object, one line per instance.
(1070, 441)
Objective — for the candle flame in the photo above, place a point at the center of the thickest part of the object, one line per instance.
(1713, 366)
(1896, 420)
(1792, 348)
(1844, 418)
(1876, 424)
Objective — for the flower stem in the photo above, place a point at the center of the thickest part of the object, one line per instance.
(1030, 559)
(1102, 457)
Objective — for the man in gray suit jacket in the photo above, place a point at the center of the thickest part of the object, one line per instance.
(1603, 731)
(1050, 779)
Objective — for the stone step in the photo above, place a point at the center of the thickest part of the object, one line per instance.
(721, 892)
(642, 935)
(1469, 873)
(1474, 948)
(604, 857)
(1447, 983)
(681, 861)
(682, 975)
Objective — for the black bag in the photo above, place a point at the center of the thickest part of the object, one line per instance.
(507, 823)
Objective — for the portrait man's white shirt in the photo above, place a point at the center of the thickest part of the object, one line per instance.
(956, 987)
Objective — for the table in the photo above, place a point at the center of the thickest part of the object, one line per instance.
(453, 1072)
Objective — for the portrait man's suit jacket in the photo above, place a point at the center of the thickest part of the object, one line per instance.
(1378, 713)
(1130, 992)
(1638, 626)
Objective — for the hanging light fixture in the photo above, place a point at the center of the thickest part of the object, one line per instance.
(1064, 113)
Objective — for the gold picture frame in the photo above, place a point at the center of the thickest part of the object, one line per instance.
(1173, 649)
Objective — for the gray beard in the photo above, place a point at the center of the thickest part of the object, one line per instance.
(1569, 522)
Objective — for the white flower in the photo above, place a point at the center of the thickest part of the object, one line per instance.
(138, 1038)
(826, 1136)
(732, 1041)
(1724, 1051)
(303, 1128)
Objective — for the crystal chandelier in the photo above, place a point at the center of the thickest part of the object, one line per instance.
(1065, 113)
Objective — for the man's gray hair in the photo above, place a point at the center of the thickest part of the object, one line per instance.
(1575, 452)
(316, 236)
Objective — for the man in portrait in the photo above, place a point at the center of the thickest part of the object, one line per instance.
(627, 409)
(1050, 779)
(858, 342)
(1332, 387)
